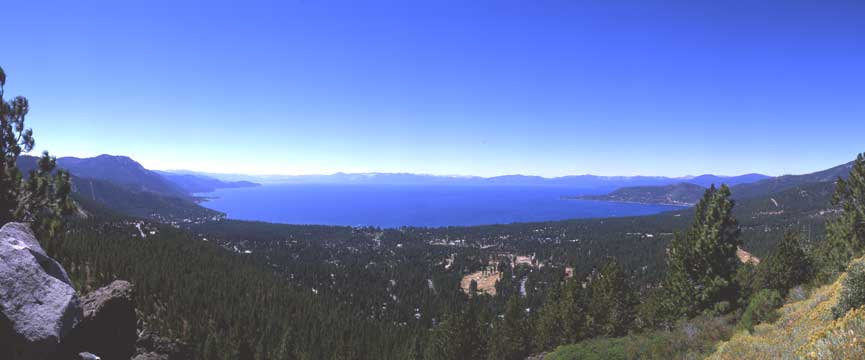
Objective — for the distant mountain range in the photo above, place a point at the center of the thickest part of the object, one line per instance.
(588, 182)
(122, 171)
(674, 194)
(121, 185)
(688, 193)
(193, 184)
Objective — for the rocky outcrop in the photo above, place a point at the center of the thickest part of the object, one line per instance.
(109, 325)
(42, 318)
(88, 356)
(746, 257)
(38, 305)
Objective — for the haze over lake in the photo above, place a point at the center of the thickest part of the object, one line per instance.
(407, 205)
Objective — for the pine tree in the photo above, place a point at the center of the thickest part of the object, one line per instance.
(846, 235)
(284, 351)
(786, 267)
(210, 348)
(548, 326)
(702, 263)
(611, 309)
(457, 337)
(44, 197)
(413, 349)
(510, 340)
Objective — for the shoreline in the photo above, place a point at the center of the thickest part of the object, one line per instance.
(626, 202)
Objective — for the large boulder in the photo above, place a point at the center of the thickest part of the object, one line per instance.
(38, 305)
(109, 327)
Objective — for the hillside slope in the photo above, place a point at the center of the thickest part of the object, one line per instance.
(100, 197)
(781, 183)
(805, 329)
(708, 180)
(118, 170)
(674, 194)
(743, 188)
(117, 185)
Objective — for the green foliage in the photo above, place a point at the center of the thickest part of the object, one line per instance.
(597, 349)
(852, 293)
(510, 337)
(217, 301)
(564, 317)
(846, 235)
(107, 199)
(46, 197)
(702, 263)
(605, 307)
(762, 308)
(573, 312)
(652, 312)
(43, 197)
(611, 310)
(548, 326)
(459, 336)
(747, 279)
(691, 339)
(786, 267)
(677, 194)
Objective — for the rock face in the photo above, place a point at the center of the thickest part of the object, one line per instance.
(42, 318)
(38, 305)
(88, 356)
(109, 325)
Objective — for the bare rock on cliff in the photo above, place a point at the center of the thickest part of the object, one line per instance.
(38, 305)
(109, 325)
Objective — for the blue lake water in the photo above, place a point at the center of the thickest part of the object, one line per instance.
(407, 205)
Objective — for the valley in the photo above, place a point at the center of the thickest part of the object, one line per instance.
(414, 276)
(432, 180)
(402, 281)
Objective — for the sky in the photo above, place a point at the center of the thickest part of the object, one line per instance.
(481, 87)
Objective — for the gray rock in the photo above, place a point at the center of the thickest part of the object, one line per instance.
(109, 324)
(88, 356)
(38, 306)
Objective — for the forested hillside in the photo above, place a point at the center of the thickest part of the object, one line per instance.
(668, 285)
(675, 194)
(404, 285)
(228, 306)
(103, 198)
(822, 318)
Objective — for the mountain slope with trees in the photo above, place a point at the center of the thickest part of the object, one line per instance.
(785, 182)
(675, 194)
(822, 319)
(120, 170)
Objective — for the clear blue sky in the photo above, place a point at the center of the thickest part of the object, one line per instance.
(546, 87)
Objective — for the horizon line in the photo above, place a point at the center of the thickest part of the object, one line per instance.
(275, 174)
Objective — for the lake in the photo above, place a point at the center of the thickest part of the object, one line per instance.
(413, 205)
